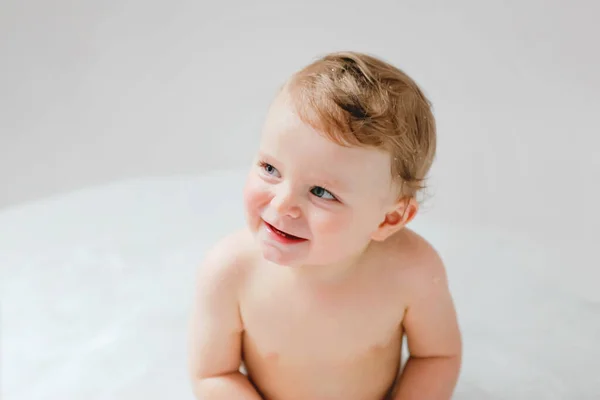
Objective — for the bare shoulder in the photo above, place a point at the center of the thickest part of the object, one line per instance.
(226, 261)
(430, 319)
(415, 262)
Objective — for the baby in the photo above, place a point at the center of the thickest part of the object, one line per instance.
(312, 300)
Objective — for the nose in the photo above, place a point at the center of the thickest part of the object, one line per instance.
(285, 202)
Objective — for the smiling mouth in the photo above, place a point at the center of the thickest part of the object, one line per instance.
(283, 234)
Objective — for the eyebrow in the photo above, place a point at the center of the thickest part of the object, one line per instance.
(266, 156)
(335, 185)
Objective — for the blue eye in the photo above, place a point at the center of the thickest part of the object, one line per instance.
(269, 169)
(322, 193)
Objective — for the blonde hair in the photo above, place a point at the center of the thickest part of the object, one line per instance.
(358, 100)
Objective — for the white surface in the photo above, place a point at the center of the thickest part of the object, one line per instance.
(96, 286)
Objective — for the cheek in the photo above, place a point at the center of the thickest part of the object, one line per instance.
(330, 222)
(343, 223)
(256, 194)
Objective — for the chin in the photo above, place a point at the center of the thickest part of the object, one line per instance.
(278, 257)
(281, 254)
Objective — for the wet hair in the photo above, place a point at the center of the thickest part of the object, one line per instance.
(357, 99)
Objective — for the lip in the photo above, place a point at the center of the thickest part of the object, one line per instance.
(273, 233)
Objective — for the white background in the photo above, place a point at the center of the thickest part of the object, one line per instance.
(97, 92)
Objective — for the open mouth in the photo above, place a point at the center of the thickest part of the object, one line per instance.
(282, 234)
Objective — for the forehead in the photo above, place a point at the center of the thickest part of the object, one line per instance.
(290, 141)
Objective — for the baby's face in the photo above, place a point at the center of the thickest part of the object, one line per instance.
(310, 201)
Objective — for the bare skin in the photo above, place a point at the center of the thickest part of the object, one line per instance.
(304, 337)
(315, 295)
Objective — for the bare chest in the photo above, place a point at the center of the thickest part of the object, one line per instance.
(301, 325)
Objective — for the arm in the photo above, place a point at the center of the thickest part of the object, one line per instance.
(434, 339)
(216, 331)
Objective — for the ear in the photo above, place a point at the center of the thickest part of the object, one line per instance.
(397, 218)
